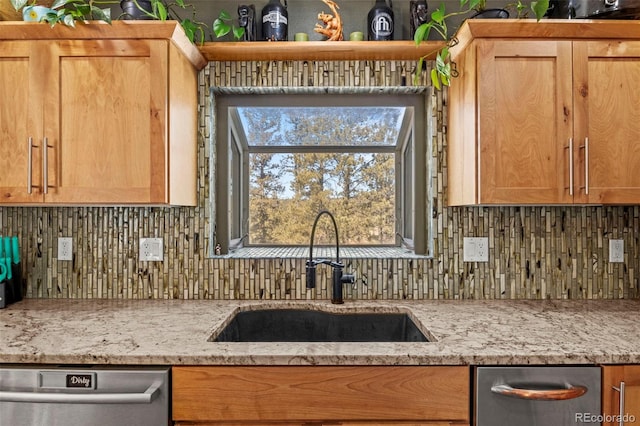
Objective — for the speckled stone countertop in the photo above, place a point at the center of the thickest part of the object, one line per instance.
(177, 332)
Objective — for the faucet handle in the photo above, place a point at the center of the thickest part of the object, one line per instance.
(348, 279)
(311, 274)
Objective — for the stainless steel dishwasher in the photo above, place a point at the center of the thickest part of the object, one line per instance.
(50, 396)
(538, 396)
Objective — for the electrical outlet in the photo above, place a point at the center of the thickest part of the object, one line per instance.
(616, 251)
(475, 249)
(151, 249)
(65, 248)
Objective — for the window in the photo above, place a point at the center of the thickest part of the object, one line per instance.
(280, 158)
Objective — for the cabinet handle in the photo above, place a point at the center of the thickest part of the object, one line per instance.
(30, 166)
(571, 166)
(621, 405)
(570, 392)
(45, 165)
(586, 166)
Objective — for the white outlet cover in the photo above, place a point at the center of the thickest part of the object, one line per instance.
(475, 249)
(151, 249)
(65, 248)
(616, 251)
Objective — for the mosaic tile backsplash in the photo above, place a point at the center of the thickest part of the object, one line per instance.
(535, 252)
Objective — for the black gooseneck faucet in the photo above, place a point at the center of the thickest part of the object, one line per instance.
(338, 278)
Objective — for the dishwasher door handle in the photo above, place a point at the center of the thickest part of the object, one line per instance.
(570, 392)
(145, 397)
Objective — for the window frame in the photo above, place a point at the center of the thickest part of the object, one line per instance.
(227, 232)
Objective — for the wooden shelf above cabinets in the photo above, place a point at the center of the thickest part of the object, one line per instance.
(318, 50)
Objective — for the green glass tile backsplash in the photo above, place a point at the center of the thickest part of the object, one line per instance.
(535, 252)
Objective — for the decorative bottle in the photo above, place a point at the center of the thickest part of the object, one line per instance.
(380, 21)
(274, 21)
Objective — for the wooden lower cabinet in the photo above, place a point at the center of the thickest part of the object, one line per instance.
(322, 395)
(614, 379)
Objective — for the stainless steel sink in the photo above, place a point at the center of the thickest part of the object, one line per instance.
(301, 325)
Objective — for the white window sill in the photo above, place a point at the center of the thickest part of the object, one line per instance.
(322, 252)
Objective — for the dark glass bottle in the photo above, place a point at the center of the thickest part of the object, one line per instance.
(274, 21)
(380, 21)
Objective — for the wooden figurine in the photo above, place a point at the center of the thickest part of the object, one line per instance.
(332, 23)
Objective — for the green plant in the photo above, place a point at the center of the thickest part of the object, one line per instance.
(222, 26)
(443, 71)
(68, 12)
(162, 10)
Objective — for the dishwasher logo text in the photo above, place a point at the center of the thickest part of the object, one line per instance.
(79, 381)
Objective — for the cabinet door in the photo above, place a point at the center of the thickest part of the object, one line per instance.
(105, 121)
(607, 125)
(20, 125)
(524, 122)
(612, 376)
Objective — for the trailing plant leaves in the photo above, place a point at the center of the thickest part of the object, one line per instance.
(101, 14)
(441, 73)
(189, 32)
(162, 11)
(438, 15)
(422, 32)
(474, 4)
(192, 30)
(18, 4)
(224, 15)
(221, 28)
(540, 7)
(69, 21)
(238, 32)
(81, 11)
(418, 71)
(59, 3)
(434, 79)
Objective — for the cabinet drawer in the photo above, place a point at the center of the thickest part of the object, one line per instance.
(321, 393)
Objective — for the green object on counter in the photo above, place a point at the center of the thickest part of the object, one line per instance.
(3, 270)
(6, 244)
(7, 263)
(15, 250)
(6, 241)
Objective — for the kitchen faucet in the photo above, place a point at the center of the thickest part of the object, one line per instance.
(338, 278)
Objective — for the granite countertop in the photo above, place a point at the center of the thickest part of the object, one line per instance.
(177, 332)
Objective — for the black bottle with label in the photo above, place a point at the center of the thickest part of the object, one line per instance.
(274, 21)
(380, 21)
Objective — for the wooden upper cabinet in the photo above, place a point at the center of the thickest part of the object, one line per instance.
(545, 121)
(607, 124)
(103, 121)
(16, 119)
(524, 119)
